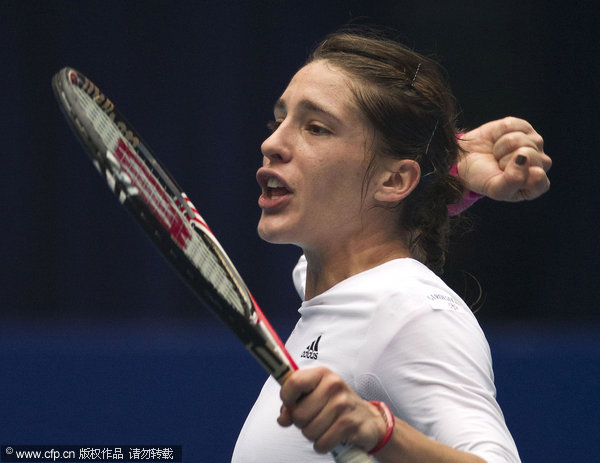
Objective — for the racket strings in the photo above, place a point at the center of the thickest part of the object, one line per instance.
(131, 171)
(203, 253)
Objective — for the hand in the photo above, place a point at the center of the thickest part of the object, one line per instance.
(328, 411)
(505, 161)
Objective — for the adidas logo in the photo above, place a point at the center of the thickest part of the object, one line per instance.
(312, 350)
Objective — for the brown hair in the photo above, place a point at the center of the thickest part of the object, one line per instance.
(406, 98)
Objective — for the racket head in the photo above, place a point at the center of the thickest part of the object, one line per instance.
(151, 194)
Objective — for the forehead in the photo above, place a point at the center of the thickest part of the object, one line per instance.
(323, 84)
(320, 72)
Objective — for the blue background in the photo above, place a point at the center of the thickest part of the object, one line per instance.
(101, 343)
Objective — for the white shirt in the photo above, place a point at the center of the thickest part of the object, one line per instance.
(394, 333)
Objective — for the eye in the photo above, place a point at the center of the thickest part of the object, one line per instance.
(316, 129)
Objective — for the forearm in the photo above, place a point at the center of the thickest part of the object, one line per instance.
(407, 445)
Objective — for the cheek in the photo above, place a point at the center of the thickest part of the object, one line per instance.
(341, 186)
(336, 176)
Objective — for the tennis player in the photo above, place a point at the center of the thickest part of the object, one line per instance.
(357, 172)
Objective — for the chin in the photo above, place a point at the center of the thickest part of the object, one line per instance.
(270, 237)
(272, 234)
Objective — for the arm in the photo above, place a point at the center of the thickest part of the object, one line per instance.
(431, 365)
(328, 412)
(505, 161)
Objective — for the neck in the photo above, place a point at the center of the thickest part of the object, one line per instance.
(327, 267)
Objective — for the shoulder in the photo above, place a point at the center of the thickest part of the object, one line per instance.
(408, 286)
(433, 315)
(419, 318)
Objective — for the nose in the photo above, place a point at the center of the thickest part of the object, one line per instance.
(277, 147)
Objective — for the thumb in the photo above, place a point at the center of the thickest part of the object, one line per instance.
(510, 185)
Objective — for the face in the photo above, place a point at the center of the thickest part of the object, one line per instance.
(314, 162)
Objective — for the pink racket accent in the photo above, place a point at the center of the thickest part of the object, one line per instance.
(73, 77)
(153, 193)
(197, 218)
(276, 337)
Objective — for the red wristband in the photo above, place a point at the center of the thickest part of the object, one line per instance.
(389, 424)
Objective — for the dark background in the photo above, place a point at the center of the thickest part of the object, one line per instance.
(102, 343)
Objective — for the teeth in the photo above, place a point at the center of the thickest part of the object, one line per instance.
(274, 183)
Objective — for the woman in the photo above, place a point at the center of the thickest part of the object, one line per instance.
(356, 173)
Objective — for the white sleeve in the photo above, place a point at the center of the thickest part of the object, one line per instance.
(435, 372)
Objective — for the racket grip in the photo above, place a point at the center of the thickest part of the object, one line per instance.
(350, 454)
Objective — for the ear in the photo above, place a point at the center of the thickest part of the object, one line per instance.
(396, 180)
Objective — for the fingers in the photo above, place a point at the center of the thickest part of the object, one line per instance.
(519, 151)
(328, 412)
(300, 384)
(529, 144)
(305, 396)
(511, 142)
(498, 128)
(505, 160)
(328, 427)
(312, 400)
(519, 181)
(507, 137)
(285, 417)
(536, 184)
(316, 427)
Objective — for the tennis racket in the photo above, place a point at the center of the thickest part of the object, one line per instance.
(145, 188)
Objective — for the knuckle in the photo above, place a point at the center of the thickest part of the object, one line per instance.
(323, 372)
(334, 384)
(513, 140)
(300, 418)
(505, 123)
(539, 141)
(512, 121)
(342, 401)
(539, 180)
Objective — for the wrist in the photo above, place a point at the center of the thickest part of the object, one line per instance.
(469, 197)
(389, 420)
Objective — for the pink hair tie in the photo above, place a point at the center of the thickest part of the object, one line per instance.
(469, 197)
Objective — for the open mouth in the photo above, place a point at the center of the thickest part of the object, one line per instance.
(275, 191)
(272, 185)
(275, 188)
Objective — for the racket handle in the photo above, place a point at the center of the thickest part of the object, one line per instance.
(350, 454)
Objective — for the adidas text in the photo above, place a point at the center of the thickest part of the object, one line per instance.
(312, 350)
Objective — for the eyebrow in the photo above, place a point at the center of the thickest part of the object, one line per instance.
(308, 106)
